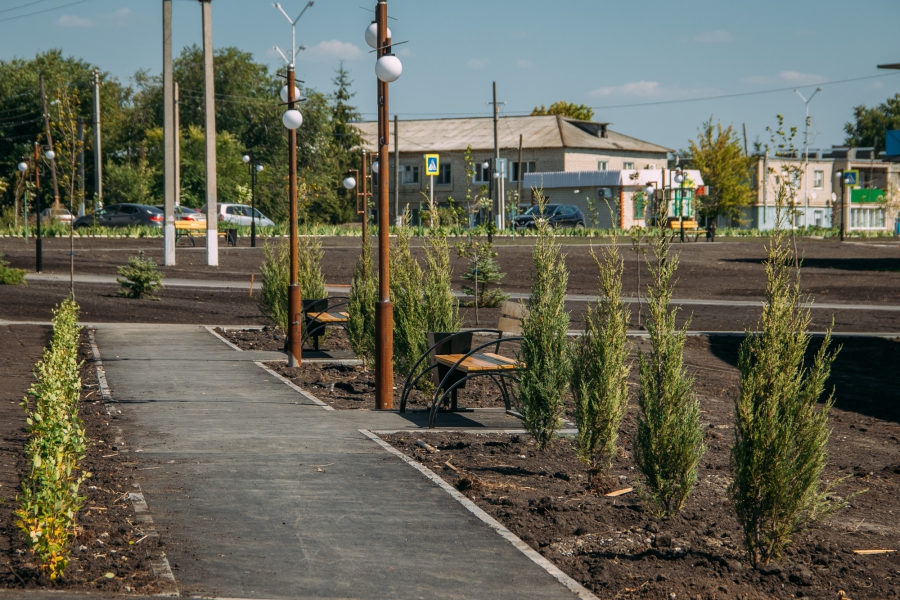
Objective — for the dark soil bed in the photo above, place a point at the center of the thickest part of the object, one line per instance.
(109, 552)
(617, 548)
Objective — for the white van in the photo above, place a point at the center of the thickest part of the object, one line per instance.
(240, 214)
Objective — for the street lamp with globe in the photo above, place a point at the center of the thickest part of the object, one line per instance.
(254, 169)
(679, 179)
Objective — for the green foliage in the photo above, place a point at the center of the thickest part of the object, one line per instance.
(483, 271)
(10, 275)
(361, 308)
(545, 352)
(56, 444)
(781, 435)
(580, 112)
(669, 442)
(139, 278)
(719, 155)
(132, 182)
(440, 306)
(309, 268)
(599, 370)
(345, 140)
(276, 277)
(869, 124)
(409, 310)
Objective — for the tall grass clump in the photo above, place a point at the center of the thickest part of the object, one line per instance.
(781, 435)
(599, 369)
(10, 275)
(544, 350)
(361, 307)
(440, 306)
(56, 444)
(139, 278)
(669, 443)
(406, 294)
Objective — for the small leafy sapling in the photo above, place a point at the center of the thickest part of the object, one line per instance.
(139, 278)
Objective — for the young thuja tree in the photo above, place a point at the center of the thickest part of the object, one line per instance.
(440, 306)
(669, 443)
(276, 276)
(363, 295)
(483, 272)
(406, 293)
(545, 347)
(309, 268)
(139, 278)
(599, 368)
(781, 435)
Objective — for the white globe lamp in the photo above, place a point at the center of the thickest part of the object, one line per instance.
(388, 68)
(679, 177)
(50, 154)
(23, 167)
(372, 34)
(246, 158)
(375, 167)
(284, 94)
(349, 183)
(259, 168)
(648, 191)
(292, 119)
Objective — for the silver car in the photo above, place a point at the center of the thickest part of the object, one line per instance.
(240, 214)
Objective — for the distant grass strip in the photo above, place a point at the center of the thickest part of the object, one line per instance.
(56, 444)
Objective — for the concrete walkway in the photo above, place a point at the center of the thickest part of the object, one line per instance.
(259, 493)
(339, 289)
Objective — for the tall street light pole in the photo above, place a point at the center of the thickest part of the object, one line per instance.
(806, 152)
(387, 69)
(679, 179)
(255, 167)
(292, 119)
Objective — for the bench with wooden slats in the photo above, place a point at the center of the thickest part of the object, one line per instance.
(691, 227)
(329, 318)
(511, 315)
(478, 362)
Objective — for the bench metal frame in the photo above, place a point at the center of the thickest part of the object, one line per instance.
(316, 332)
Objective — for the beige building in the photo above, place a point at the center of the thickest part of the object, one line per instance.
(549, 144)
(869, 204)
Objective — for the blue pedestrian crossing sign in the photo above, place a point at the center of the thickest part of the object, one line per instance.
(432, 165)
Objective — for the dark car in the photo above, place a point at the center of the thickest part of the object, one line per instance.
(123, 215)
(183, 213)
(558, 215)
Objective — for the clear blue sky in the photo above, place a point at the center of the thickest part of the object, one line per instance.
(604, 54)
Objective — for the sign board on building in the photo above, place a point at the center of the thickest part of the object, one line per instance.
(893, 143)
(432, 165)
(851, 178)
(502, 164)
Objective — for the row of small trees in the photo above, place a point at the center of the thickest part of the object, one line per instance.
(779, 455)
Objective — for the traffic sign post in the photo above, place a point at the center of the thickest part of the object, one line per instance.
(432, 170)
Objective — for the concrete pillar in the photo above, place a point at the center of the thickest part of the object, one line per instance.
(168, 139)
(209, 104)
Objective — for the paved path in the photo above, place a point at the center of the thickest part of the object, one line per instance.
(261, 494)
(338, 289)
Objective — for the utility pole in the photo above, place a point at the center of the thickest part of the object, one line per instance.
(50, 146)
(177, 145)
(520, 175)
(209, 104)
(81, 164)
(38, 247)
(805, 155)
(169, 135)
(98, 154)
(496, 202)
(398, 219)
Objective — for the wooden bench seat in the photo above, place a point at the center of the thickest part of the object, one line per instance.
(329, 318)
(691, 227)
(189, 229)
(478, 362)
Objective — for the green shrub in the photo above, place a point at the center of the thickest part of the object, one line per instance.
(363, 296)
(139, 278)
(781, 436)
(309, 268)
(10, 275)
(599, 369)
(545, 351)
(483, 272)
(406, 293)
(56, 444)
(440, 306)
(669, 442)
(276, 276)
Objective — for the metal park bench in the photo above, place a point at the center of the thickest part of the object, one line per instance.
(190, 229)
(453, 362)
(691, 227)
(319, 314)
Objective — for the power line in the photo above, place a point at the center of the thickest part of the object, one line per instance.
(6, 10)
(39, 12)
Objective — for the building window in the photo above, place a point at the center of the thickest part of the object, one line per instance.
(409, 174)
(603, 165)
(628, 165)
(527, 167)
(818, 179)
(640, 206)
(482, 175)
(444, 178)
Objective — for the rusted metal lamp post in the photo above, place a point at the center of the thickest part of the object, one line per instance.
(387, 69)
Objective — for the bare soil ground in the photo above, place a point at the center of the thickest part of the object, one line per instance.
(109, 552)
(617, 548)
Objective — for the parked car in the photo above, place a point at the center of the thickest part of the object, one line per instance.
(558, 215)
(59, 215)
(240, 214)
(123, 215)
(183, 213)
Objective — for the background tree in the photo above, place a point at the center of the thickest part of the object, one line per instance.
(719, 155)
(869, 124)
(580, 112)
(345, 141)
